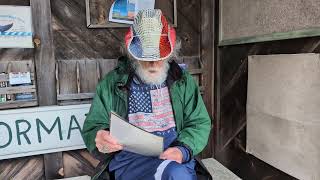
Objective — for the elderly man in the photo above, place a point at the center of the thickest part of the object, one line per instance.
(152, 92)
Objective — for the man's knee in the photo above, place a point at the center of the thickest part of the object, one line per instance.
(176, 171)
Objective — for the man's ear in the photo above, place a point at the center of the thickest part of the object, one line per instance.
(172, 36)
(128, 37)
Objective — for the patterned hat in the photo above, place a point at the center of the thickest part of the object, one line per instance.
(150, 38)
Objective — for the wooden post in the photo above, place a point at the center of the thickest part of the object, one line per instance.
(45, 78)
(217, 84)
(207, 57)
(44, 52)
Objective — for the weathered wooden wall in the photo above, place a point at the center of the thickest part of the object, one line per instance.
(68, 44)
(28, 168)
(75, 43)
(231, 104)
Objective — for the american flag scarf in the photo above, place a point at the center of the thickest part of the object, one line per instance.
(150, 106)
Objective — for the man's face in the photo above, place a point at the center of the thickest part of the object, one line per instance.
(153, 67)
(152, 72)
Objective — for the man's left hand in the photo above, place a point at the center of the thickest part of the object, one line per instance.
(173, 154)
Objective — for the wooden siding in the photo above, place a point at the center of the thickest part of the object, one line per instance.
(83, 56)
(29, 168)
(231, 104)
(91, 53)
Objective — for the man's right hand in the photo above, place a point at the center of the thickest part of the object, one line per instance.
(105, 143)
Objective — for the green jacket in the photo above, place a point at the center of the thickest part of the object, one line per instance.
(192, 120)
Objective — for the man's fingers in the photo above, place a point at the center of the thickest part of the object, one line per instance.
(110, 139)
(164, 155)
(171, 154)
(102, 133)
(117, 147)
(169, 157)
(167, 152)
(106, 143)
(114, 147)
(104, 137)
(99, 146)
(101, 141)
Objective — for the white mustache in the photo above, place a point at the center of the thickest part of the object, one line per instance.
(152, 70)
(152, 75)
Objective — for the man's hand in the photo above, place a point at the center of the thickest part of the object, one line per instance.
(106, 143)
(172, 153)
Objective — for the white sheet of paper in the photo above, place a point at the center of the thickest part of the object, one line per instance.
(135, 139)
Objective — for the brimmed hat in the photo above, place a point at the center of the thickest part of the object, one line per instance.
(150, 38)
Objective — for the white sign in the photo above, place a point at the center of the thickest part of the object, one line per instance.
(15, 27)
(19, 78)
(32, 131)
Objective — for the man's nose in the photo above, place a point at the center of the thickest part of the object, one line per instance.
(152, 63)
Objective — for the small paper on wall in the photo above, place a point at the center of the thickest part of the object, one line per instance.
(283, 112)
(19, 78)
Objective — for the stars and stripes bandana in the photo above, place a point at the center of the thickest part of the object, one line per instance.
(150, 107)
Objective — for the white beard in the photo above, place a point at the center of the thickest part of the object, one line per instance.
(156, 78)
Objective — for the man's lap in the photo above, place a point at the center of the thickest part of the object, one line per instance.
(147, 168)
(176, 171)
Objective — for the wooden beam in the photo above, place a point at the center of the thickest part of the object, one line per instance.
(45, 67)
(217, 84)
(18, 89)
(207, 57)
(62, 97)
(44, 52)
(18, 104)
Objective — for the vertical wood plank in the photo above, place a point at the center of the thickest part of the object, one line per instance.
(98, 70)
(67, 76)
(44, 54)
(45, 66)
(79, 163)
(53, 165)
(57, 78)
(217, 83)
(207, 58)
(88, 75)
(78, 77)
(106, 65)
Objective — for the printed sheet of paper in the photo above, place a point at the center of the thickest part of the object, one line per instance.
(135, 139)
(19, 78)
(283, 112)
